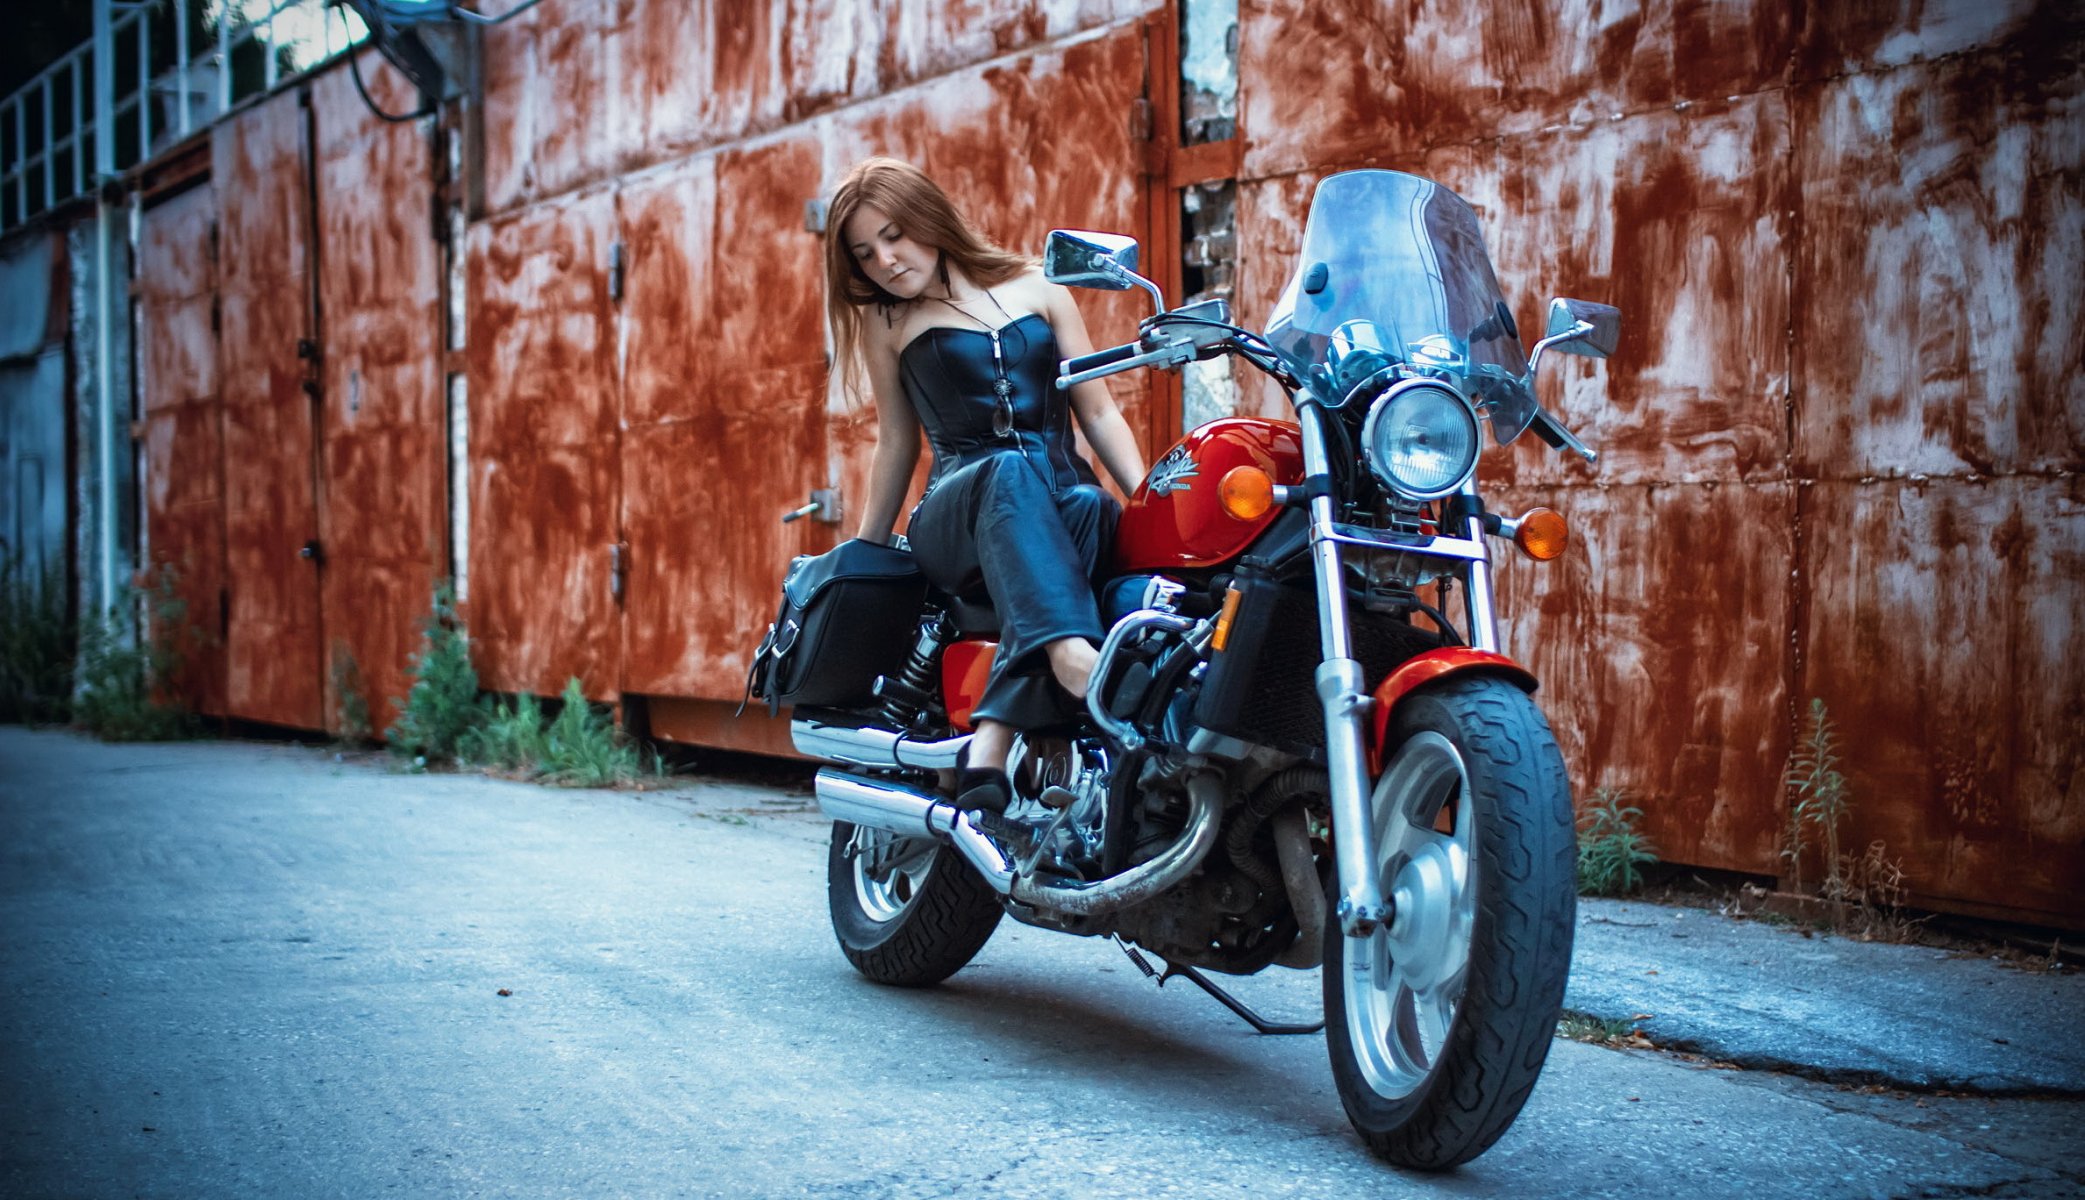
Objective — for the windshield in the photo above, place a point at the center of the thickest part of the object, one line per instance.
(1393, 273)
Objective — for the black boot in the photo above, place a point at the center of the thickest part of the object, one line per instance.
(983, 788)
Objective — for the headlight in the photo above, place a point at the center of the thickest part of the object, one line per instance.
(1421, 439)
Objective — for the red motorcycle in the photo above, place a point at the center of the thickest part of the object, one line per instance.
(1292, 753)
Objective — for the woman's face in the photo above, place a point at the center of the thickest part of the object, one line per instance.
(891, 260)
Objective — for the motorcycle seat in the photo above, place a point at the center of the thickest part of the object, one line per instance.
(973, 614)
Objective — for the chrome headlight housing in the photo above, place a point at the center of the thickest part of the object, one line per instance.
(1421, 439)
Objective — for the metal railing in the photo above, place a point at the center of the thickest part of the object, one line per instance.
(141, 84)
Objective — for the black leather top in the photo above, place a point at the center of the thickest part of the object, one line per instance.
(948, 375)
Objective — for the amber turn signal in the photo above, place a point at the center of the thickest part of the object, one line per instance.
(1246, 493)
(1542, 534)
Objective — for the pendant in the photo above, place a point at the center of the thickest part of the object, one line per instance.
(1003, 388)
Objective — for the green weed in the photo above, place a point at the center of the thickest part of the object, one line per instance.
(1610, 849)
(350, 696)
(583, 748)
(1598, 1031)
(511, 739)
(38, 644)
(128, 667)
(1817, 798)
(442, 707)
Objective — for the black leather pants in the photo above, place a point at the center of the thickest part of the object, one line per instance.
(994, 525)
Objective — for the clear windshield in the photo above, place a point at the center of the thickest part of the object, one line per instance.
(1393, 273)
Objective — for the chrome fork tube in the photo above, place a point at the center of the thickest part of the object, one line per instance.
(1340, 687)
(1477, 596)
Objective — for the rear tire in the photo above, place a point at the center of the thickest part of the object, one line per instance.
(1438, 1024)
(907, 911)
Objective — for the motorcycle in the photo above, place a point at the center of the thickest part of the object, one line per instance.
(1290, 754)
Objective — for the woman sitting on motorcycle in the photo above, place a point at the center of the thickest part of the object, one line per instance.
(961, 337)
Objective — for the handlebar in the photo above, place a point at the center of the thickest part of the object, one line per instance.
(1099, 358)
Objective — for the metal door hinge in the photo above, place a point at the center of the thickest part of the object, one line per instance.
(618, 570)
(615, 271)
(1140, 120)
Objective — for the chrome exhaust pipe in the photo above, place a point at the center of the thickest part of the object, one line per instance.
(895, 808)
(869, 746)
(907, 812)
(1146, 879)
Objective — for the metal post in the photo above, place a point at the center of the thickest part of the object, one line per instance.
(181, 119)
(104, 377)
(79, 135)
(224, 62)
(268, 53)
(50, 160)
(144, 21)
(21, 157)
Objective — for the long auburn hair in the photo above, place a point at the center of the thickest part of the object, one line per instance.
(922, 212)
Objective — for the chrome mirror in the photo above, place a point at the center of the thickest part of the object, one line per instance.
(1077, 258)
(1582, 327)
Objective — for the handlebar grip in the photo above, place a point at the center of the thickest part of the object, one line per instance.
(1099, 358)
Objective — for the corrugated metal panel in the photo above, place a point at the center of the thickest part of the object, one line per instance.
(1661, 641)
(720, 443)
(577, 91)
(1941, 632)
(1387, 80)
(543, 449)
(1839, 39)
(175, 288)
(1943, 244)
(383, 459)
(272, 641)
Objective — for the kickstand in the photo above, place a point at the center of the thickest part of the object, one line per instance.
(1259, 1023)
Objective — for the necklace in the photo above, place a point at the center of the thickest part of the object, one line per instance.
(1002, 387)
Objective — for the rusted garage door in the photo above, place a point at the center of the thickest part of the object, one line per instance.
(175, 293)
(382, 516)
(544, 410)
(273, 637)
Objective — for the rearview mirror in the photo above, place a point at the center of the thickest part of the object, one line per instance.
(1077, 258)
(1597, 342)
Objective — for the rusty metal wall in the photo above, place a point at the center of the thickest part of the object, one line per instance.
(706, 379)
(175, 290)
(272, 639)
(383, 519)
(1842, 432)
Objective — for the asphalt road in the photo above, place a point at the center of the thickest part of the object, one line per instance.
(250, 970)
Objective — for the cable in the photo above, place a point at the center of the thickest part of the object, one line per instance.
(478, 18)
(355, 70)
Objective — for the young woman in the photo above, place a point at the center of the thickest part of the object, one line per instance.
(955, 335)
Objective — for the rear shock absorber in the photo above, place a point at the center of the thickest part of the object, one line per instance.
(911, 697)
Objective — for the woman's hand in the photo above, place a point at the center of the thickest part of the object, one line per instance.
(1100, 419)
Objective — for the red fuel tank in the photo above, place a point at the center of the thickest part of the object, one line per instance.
(1174, 522)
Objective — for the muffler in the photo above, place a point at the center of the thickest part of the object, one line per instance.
(908, 812)
(869, 746)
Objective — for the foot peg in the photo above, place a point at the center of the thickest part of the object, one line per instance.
(1259, 1023)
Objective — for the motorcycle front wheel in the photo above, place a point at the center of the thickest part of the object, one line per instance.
(906, 911)
(1439, 1021)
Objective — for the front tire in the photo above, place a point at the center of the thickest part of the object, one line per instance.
(1439, 1022)
(907, 911)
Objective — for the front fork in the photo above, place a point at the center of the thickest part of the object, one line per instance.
(1343, 689)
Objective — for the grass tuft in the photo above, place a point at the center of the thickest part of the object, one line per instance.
(1610, 849)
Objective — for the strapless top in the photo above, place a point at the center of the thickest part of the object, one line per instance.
(949, 375)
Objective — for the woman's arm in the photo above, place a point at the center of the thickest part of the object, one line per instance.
(1099, 418)
(897, 441)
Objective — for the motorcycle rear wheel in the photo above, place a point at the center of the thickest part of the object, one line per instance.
(907, 912)
(1439, 1022)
